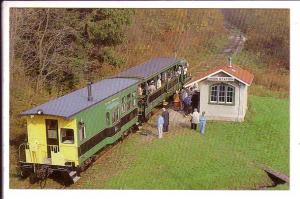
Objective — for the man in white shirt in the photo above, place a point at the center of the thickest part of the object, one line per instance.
(179, 70)
(158, 83)
(152, 88)
(185, 71)
(195, 119)
(140, 90)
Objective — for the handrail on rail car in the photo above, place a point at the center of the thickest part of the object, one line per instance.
(19, 150)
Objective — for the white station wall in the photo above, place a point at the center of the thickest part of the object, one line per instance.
(234, 112)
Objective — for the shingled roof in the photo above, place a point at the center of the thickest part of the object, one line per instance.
(238, 73)
(149, 68)
(77, 101)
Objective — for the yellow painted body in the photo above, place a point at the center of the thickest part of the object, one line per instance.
(37, 141)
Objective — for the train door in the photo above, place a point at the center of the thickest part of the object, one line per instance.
(51, 135)
(113, 112)
(196, 100)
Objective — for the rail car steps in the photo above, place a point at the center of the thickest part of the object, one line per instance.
(73, 175)
(76, 179)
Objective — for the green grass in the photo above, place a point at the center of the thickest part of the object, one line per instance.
(224, 158)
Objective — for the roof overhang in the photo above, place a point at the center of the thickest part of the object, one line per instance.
(216, 72)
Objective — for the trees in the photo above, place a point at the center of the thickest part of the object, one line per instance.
(56, 47)
(267, 32)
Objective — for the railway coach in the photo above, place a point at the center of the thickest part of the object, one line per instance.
(172, 74)
(64, 134)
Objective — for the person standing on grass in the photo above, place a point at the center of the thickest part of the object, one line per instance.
(195, 119)
(160, 123)
(165, 115)
(202, 123)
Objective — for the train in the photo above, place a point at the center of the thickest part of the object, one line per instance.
(64, 134)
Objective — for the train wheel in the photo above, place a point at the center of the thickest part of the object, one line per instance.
(43, 183)
(32, 178)
(94, 158)
(23, 174)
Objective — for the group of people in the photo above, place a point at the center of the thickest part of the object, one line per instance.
(188, 100)
(197, 120)
(156, 83)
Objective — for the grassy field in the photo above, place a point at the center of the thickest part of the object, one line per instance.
(224, 158)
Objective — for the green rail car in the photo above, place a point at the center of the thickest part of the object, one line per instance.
(64, 134)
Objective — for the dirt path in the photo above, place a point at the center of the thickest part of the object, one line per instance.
(177, 121)
(236, 41)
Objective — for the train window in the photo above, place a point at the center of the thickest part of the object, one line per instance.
(133, 99)
(123, 107)
(81, 131)
(107, 119)
(163, 76)
(52, 129)
(67, 136)
(128, 102)
(115, 115)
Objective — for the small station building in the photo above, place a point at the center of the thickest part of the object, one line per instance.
(223, 92)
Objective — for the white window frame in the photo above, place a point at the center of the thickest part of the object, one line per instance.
(61, 139)
(217, 86)
(81, 136)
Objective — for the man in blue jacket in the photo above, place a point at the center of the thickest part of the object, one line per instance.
(160, 123)
(202, 123)
(187, 103)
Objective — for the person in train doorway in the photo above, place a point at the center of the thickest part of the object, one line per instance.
(158, 83)
(176, 101)
(185, 70)
(187, 104)
(183, 96)
(195, 119)
(160, 123)
(165, 114)
(151, 88)
(202, 123)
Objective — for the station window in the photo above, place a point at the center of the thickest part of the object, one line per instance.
(230, 93)
(107, 119)
(67, 136)
(213, 94)
(81, 131)
(221, 94)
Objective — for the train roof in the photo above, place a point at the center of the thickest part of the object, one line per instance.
(77, 101)
(149, 68)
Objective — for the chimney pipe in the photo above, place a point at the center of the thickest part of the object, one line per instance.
(89, 87)
(229, 61)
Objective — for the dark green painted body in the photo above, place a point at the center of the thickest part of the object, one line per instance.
(167, 92)
(95, 121)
